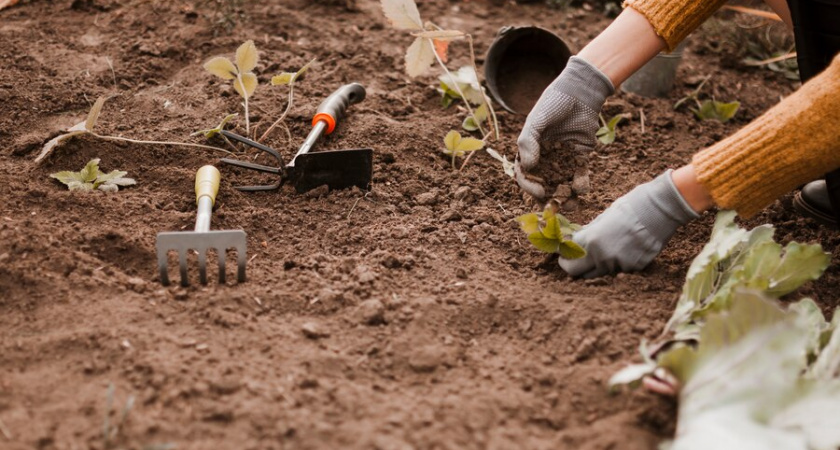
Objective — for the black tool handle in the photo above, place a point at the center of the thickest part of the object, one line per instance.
(333, 108)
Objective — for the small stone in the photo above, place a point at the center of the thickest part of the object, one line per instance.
(181, 294)
(226, 387)
(451, 216)
(570, 205)
(136, 284)
(463, 193)
(370, 312)
(314, 330)
(426, 358)
(563, 192)
(580, 182)
(427, 198)
(388, 158)
(461, 273)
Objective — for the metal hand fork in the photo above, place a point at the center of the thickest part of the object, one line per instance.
(202, 239)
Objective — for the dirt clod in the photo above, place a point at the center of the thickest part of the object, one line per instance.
(370, 312)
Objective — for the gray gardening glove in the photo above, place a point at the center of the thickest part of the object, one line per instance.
(632, 231)
(567, 112)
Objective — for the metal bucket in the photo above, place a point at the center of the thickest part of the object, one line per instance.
(521, 63)
(656, 78)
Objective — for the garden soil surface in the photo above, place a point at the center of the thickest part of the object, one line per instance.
(415, 315)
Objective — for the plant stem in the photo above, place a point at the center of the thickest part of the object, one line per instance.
(495, 125)
(285, 113)
(457, 88)
(244, 96)
(137, 141)
(453, 160)
(473, 153)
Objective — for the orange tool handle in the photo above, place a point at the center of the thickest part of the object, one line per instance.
(332, 110)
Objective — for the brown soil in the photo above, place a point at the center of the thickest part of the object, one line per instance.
(415, 316)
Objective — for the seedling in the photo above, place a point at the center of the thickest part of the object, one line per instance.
(286, 79)
(606, 134)
(87, 127)
(211, 132)
(459, 146)
(472, 123)
(507, 166)
(464, 80)
(90, 178)
(551, 233)
(709, 109)
(245, 82)
(431, 44)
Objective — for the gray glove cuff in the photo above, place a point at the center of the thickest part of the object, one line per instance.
(665, 209)
(589, 85)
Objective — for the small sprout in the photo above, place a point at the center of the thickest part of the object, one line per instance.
(286, 79)
(245, 82)
(457, 146)
(472, 123)
(90, 178)
(551, 233)
(606, 134)
(713, 109)
(507, 166)
(214, 131)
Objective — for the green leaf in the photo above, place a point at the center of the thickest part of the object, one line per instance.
(112, 175)
(90, 171)
(712, 109)
(466, 80)
(551, 229)
(530, 223)
(283, 78)
(544, 244)
(457, 145)
(570, 249)
(67, 177)
(800, 264)
(214, 131)
(90, 177)
(471, 123)
(606, 134)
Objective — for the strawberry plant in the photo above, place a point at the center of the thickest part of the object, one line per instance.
(456, 146)
(90, 178)
(606, 134)
(87, 128)
(710, 108)
(244, 80)
(551, 233)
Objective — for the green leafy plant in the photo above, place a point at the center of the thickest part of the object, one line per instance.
(87, 128)
(286, 79)
(737, 359)
(244, 80)
(456, 146)
(461, 84)
(710, 108)
(507, 166)
(606, 134)
(90, 178)
(472, 123)
(551, 233)
(212, 132)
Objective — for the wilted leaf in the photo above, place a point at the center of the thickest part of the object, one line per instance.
(442, 49)
(246, 57)
(54, 142)
(507, 166)
(402, 14)
(466, 80)
(419, 57)
(712, 109)
(249, 81)
(221, 67)
(93, 115)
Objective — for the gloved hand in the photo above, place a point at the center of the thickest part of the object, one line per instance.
(566, 112)
(632, 231)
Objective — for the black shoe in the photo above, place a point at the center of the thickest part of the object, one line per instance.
(812, 201)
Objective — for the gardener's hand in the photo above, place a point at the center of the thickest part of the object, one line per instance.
(567, 112)
(632, 231)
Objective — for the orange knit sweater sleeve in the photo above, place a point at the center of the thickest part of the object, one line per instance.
(673, 20)
(795, 142)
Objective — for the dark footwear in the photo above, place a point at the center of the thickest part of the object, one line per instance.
(812, 201)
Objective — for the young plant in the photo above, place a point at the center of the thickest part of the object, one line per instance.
(606, 134)
(459, 146)
(90, 178)
(463, 80)
(211, 132)
(245, 82)
(551, 233)
(87, 127)
(286, 79)
(710, 108)
(430, 44)
(507, 166)
(473, 123)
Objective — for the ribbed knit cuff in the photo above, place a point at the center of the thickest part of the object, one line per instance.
(665, 209)
(590, 86)
(673, 20)
(791, 144)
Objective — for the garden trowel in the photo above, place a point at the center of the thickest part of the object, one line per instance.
(202, 239)
(338, 169)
